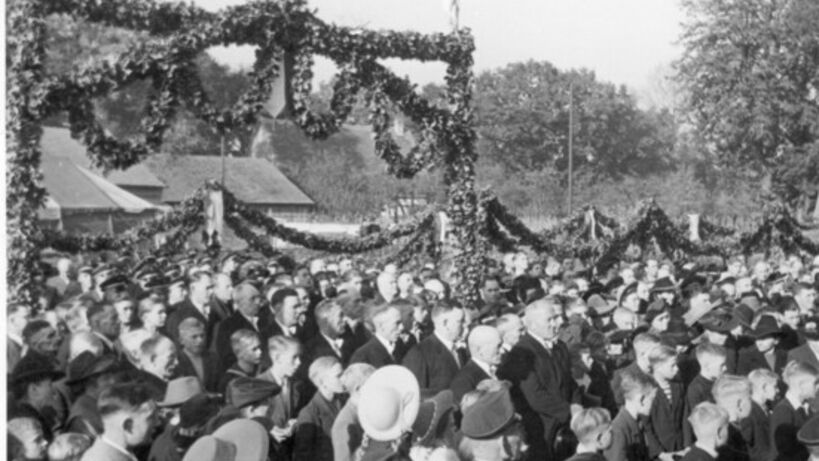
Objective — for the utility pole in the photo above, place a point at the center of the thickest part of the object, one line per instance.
(571, 135)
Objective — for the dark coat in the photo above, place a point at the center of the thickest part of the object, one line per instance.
(318, 346)
(374, 353)
(785, 423)
(221, 309)
(628, 442)
(699, 390)
(84, 417)
(210, 366)
(221, 343)
(757, 431)
(229, 375)
(663, 433)
(355, 337)
(154, 383)
(587, 457)
(697, 454)
(314, 430)
(542, 390)
(736, 447)
(750, 359)
(18, 409)
(164, 448)
(432, 364)
(467, 380)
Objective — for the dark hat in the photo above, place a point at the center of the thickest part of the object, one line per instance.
(600, 305)
(654, 310)
(744, 315)
(810, 328)
(718, 323)
(631, 288)
(726, 279)
(87, 365)
(766, 327)
(489, 415)
(776, 277)
(618, 336)
(114, 281)
(678, 333)
(180, 390)
(246, 391)
(198, 410)
(432, 417)
(808, 435)
(664, 284)
(32, 368)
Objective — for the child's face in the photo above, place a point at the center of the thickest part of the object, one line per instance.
(251, 352)
(332, 380)
(667, 369)
(769, 391)
(288, 361)
(807, 388)
(714, 366)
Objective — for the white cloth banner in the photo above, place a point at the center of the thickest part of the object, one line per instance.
(214, 213)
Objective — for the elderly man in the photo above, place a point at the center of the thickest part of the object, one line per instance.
(248, 302)
(194, 358)
(196, 305)
(157, 364)
(379, 350)
(435, 361)
(539, 368)
(328, 341)
(485, 348)
(104, 322)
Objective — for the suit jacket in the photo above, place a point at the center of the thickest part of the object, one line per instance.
(432, 364)
(628, 442)
(318, 346)
(355, 337)
(220, 309)
(542, 390)
(750, 358)
(183, 310)
(102, 451)
(85, 417)
(785, 423)
(699, 390)
(210, 368)
(467, 380)
(374, 353)
(663, 433)
(154, 383)
(314, 430)
(756, 430)
(221, 338)
(697, 454)
(14, 352)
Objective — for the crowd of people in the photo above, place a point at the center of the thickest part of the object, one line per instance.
(238, 357)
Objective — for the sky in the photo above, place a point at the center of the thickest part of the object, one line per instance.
(622, 41)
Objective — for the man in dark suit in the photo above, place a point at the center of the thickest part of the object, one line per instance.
(328, 341)
(435, 361)
(804, 353)
(485, 347)
(282, 316)
(221, 303)
(765, 352)
(195, 305)
(194, 359)
(248, 303)
(539, 368)
(379, 350)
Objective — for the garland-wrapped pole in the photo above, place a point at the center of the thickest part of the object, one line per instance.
(25, 194)
(459, 176)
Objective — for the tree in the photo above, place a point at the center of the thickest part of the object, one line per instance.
(523, 117)
(750, 72)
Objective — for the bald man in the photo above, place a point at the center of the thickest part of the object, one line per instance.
(248, 302)
(485, 348)
(539, 368)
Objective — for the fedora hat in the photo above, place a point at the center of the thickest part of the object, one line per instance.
(766, 327)
(180, 390)
(664, 284)
(432, 417)
(489, 415)
(87, 365)
(238, 440)
(247, 391)
(32, 368)
(744, 315)
(600, 305)
(389, 403)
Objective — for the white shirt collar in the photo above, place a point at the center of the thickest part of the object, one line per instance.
(389, 346)
(488, 369)
(17, 339)
(547, 344)
(118, 448)
(334, 343)
(709, 450)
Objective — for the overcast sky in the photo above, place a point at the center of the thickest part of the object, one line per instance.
(623, 41)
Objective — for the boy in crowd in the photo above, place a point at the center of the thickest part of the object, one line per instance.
(628, 436)
(315, 424)
(129, 418)
(643, 344)
(285, 353)
(246, 347)
(592, 427)
(711, 359)
(733, 394)
(763, 392)
(792, 412)
(710, 425)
